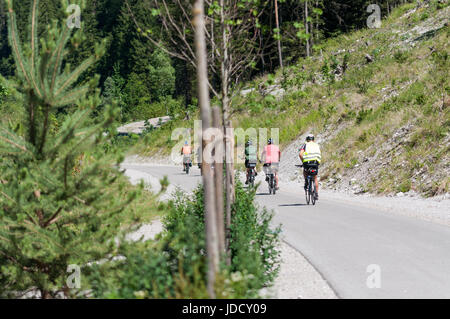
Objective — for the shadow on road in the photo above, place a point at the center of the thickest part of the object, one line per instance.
(292, 205)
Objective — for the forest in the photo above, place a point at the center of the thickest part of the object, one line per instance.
(147, 68)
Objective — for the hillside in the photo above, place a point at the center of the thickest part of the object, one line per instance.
(377, 99)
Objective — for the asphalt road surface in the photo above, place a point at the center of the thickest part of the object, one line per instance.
(361, 252)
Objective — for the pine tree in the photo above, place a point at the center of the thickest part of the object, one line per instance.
(161, 74)
(61, 199)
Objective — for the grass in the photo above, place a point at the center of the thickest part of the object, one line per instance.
(366, 105)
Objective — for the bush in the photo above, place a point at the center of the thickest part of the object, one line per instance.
(176, 266)
(363, 114)
(401, 56)
(253, 242)
(405, 186)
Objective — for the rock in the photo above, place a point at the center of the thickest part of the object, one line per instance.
(247, 92)
(278, 93)
(411, 193)
(400, 194)
(139, 127)
(369, 58)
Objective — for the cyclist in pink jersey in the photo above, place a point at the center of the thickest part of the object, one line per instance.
(271, 158)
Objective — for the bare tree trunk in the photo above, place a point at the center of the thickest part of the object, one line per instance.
(218, 181)
(277, 22)
(308, 53)
(212, 245)
(228, 139)
(229, 148)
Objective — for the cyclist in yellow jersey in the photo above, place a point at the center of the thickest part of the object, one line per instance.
(310, 155)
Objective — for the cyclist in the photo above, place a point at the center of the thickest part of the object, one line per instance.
(199, 157)
(271, 158)
(310, 156)
(251, 158)
(186, 152)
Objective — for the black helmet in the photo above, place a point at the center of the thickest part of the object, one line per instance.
(310, 137)
(270, 141)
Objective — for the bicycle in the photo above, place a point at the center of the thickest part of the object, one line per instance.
(310, 191)
(187, 164)
(270, 178)
(251, 177)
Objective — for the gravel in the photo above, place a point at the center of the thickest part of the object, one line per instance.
(297, 279)
(436, 209)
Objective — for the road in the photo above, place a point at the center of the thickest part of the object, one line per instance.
(352, 245)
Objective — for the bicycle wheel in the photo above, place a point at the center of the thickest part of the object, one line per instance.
(313, 195)
(251, 178)
(187, 169)
(311, 191)
(307, 192)
(270, 183)
(274, 188)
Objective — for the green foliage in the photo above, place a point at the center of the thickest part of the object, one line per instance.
(254, 243)
(10, 106)
(164, 183)
(146, 273)
(328, 71)
(441, 65)
(175, 267)
(3, 93)
(345, 62)
(405, 186)
(362, 115)
(161, 74)
(401, 56)
(297, 77)
(114, 93)
(138, 98)
(63, 202)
